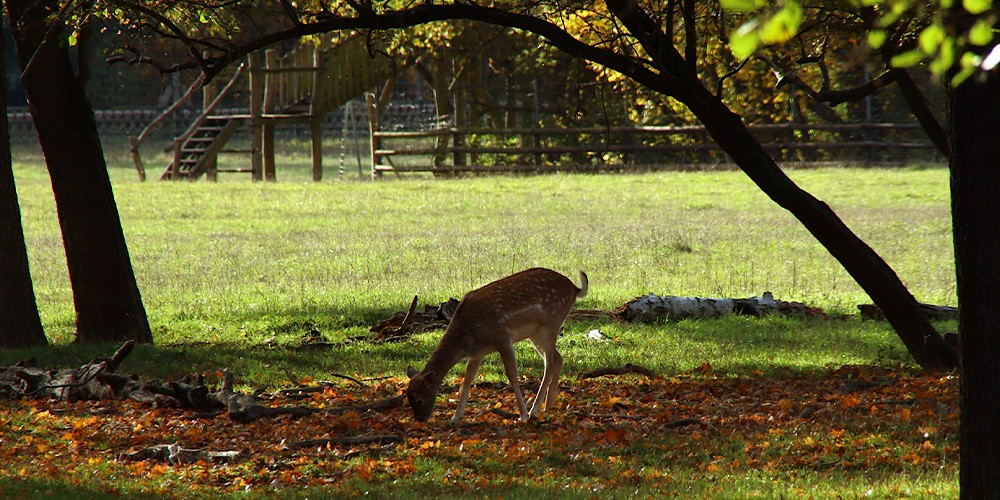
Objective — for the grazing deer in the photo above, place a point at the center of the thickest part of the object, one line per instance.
(531, 304)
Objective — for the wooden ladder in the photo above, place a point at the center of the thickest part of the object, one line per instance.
(196, 149)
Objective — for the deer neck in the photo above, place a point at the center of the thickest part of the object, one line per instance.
(446, 356)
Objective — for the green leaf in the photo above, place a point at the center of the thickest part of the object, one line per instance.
(739, 5)
(976, 7)
(945, 58)
(72, 39)
(981, 33)
(970, 63)
(907, 59)
(744, 43)
(783, 26)
(876, 38)
(931, 37)
(203, 18)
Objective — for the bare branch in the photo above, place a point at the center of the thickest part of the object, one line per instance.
(791, 78)
(727, 75)
(690, 35)
(921, 109)
(835, 97)
(173, 29)
(653, 40)
(293, 14)
(669, 24)
(635, 69)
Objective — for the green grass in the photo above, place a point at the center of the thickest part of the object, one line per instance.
(234, 273)
(243, 263)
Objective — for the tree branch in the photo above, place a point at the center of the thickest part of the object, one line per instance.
(690, 35)
(729, 74)
(917, 102)
(654, 41)
(818, 106)
(667, 84)
(836, 97)
(293, 15)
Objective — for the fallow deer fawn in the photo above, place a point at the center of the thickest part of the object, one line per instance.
(531, 304)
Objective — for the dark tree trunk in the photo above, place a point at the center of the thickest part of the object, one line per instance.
(975, 184)
(107, 300)
(19, 322)
(870, 271)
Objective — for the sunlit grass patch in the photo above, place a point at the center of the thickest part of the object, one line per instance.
(239, 275)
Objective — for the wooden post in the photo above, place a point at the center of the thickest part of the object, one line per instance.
(270, 101)
(256, 108)
(175, 167)
(133, 142)
(536, 141)
(316, 131)
(705, 147)
(374, 140)
(318, 113)
(457, 138)
(458, 157)
(208, 94)
(627, 140)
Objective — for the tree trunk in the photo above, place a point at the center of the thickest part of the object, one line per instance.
(975, 181)
(105, 294)
(443, 106)
(19, 322)
(881, 283)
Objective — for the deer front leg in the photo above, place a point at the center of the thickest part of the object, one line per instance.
(510, 367)
(470, 374)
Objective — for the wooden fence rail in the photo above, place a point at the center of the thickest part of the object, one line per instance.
(637, 148)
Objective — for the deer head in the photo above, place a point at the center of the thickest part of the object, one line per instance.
(421, 393)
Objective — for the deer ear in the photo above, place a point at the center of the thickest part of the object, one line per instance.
(411, 371)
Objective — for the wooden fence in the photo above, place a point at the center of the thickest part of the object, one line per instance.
(453, 150)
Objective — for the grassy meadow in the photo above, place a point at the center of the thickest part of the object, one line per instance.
(235, 273)
(243, 263)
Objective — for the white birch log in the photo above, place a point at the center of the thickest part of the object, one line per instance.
(651, 308)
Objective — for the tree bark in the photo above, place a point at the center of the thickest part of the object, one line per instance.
(20, 324)
(975, 181)
(107, 300)
(443, 106)
(870, 271)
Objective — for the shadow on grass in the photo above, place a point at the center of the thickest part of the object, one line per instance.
(11, 487)
(250, 364)
(269, 355)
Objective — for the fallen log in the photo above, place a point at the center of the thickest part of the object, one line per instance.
(402, 325)
(97, 380)
(621, 370)
(174, 454)
(934, 313)
(346, 441)
(652, 308)
(380, 405)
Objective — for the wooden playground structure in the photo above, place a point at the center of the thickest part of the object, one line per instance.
(300, 87)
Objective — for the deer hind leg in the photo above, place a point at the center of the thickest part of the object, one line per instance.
(546, 397)
(470, 374)
(510, 367)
